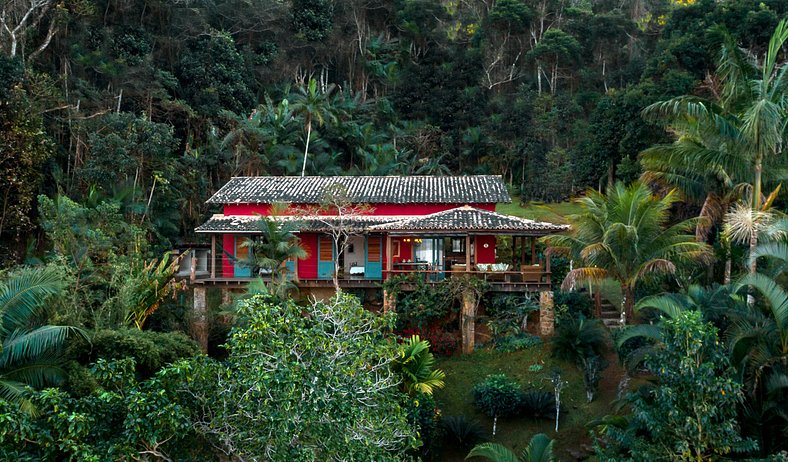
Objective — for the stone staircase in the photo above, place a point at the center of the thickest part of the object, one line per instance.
(610, 315)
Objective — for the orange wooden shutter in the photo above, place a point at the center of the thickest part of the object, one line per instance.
(373, 249)
(326, 246)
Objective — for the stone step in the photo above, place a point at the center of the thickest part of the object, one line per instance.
(611, 323)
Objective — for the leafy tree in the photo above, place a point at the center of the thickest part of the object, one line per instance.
(24, 149)
(121, 419)
(30, 353)
(214, 75)
(691, 415)
(313, 19)
(625, 235)
(416, 366)
(311, 382)
(497, 396)
(539, 449)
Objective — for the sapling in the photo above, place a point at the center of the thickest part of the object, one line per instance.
(558, 385)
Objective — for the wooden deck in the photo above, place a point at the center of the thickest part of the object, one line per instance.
(502, 281)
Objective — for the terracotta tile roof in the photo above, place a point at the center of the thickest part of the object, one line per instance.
(250, 224)
(457, 220)
(470, 219)
(474, 189)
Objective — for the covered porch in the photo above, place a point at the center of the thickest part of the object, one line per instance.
(464, 242)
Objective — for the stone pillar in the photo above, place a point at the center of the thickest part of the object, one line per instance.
(227, 296)
(389, 301)
(546, 313)
(468, 321)
(199, 319)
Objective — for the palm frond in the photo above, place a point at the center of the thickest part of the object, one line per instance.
(22, 295)
(540, 449)
(494, 452)
(27, 345)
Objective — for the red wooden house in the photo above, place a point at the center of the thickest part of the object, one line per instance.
(434, 226)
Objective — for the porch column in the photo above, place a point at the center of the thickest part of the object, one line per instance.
(389, 259)
(213, 256)
(533, 250)
(467, 252)
(547, 265)
(546, 313)
(199, 321)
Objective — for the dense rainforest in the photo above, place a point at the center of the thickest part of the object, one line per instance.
(152, 105)
(660, 332)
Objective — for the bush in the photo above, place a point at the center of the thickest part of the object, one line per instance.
(462, 431)
(151, 350)
(577, 303)
(424, 414)
(517, 342)
(538, 404)
(497, 395)
(441, 343)
(579, 338)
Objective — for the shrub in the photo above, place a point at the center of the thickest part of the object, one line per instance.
(441, 342)
(497, 395)
(462, 431)
(151, 350)
(578, 338)
(517, 342)
(577, 303)
(423, 413)
(537, 404)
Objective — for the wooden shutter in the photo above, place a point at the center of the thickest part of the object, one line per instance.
(326, 249)
(373, 249)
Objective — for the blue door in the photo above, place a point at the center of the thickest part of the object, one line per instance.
(291, 269)
(325, 257)
(373, 260)
(243, 260)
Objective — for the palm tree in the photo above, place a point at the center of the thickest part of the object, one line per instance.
(764, 117)
(415, 364)
(719, 304)
(723, 143)
(278, 245)
(758, 341)
(625, 236)
(314, 106)
(30, 349)
(540, 449)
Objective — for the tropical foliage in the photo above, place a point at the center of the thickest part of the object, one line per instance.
(31, 354)
(540, 449)
(626, 235)
(416, 365)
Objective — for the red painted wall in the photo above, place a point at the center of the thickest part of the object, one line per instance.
(228, 244)
(307, 268)
(405, 250)
(379, 209)
(485, 255)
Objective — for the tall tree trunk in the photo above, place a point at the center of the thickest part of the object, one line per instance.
(306, 147)
(468, 321)
(629, 302)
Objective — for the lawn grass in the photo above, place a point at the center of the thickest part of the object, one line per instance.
(463, 372)
(553, 212)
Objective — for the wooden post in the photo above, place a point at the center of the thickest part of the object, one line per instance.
(468, 320)
(547, 265)
(533, 250)
(467, 252)
(213, 256)
(389, 258)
